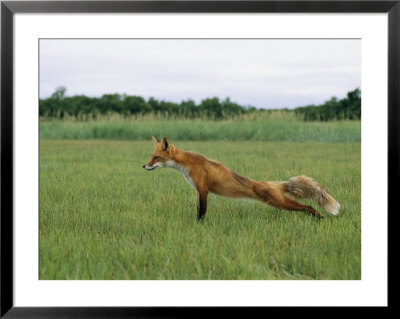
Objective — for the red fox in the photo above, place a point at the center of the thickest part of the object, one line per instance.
(205, 175)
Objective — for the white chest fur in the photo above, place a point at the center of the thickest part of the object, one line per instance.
(183, 170)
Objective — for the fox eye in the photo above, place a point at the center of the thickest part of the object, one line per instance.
(156, 157)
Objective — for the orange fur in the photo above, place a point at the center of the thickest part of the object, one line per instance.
(206, 176)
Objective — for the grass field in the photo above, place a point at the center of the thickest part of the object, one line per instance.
(102, 216)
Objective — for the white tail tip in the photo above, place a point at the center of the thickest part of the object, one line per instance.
(332, 208)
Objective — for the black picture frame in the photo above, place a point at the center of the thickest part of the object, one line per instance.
(9, 8)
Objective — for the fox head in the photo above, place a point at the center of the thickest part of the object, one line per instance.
(161, 156)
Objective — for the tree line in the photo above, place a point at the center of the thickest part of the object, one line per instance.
(59, 106)
(348, 108)
(81, 107)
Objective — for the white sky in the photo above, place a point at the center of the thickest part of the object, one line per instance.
(266, 73)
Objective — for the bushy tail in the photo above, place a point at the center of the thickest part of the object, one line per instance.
(305, 187)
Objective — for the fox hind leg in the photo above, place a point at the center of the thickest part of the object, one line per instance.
(290, 204)
(276, 197)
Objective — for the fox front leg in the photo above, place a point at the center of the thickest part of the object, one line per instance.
(201, 206)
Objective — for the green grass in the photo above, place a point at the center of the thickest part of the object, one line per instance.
(102, 216)
(265, 127)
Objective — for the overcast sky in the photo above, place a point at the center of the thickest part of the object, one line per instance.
(261, 73)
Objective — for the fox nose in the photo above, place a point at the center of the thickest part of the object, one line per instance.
(144, 166)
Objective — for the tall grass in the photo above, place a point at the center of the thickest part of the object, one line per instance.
(275, 126)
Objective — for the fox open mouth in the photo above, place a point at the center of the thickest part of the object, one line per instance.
(149, 168)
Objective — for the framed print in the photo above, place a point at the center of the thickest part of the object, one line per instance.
(290, 105)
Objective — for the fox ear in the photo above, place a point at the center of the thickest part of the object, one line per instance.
(155, 140)
(164, 143)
